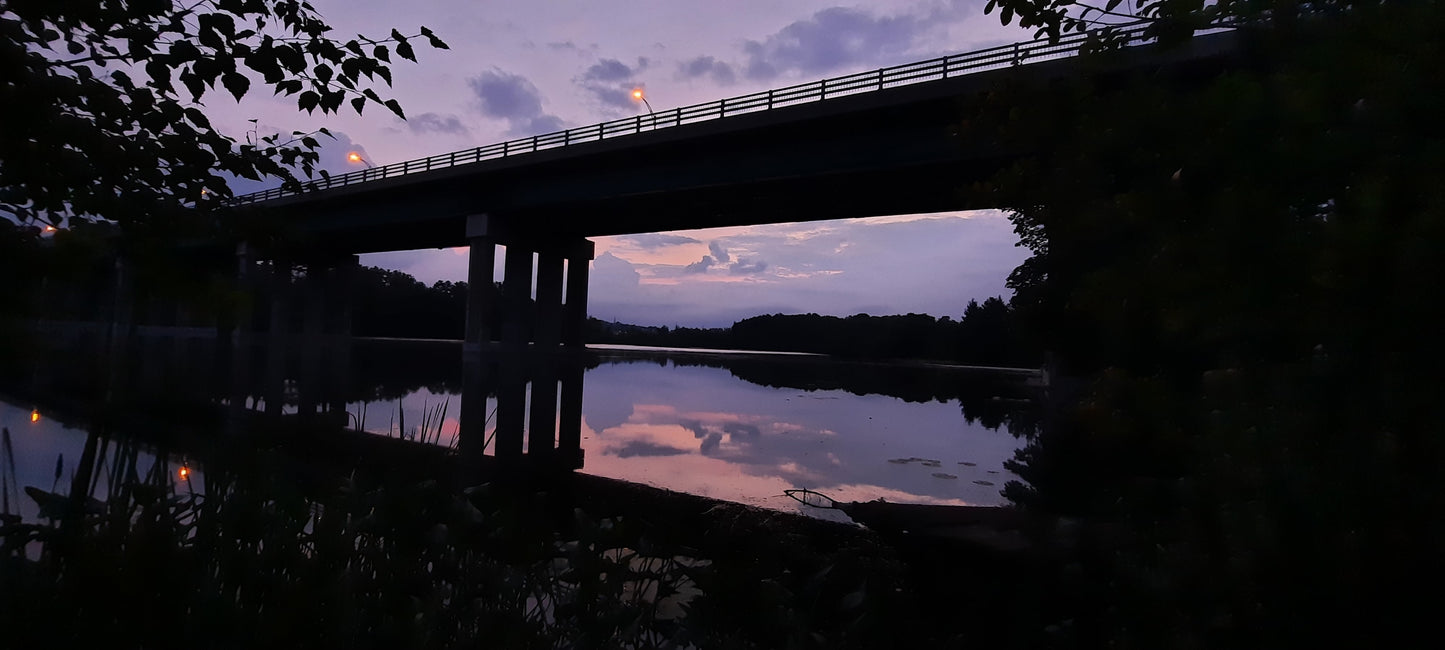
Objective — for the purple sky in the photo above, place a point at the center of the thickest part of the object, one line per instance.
(518, 69)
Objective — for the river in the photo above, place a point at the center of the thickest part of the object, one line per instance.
(741, 427)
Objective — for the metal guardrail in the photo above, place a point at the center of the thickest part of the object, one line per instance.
(874, 80)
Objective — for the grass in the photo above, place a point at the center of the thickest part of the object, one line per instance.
(250, 559)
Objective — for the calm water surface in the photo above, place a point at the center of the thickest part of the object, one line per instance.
(695, 425)
(731, 426)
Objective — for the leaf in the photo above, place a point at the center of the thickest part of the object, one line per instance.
(194, 84)
(358, 103)
(236, 83)
(432, 38)
(395, 108)
(403, 50)
(308, 100)
(183, 51)
(381, 53)
(209, 37)
(323, 73)
(197, 118)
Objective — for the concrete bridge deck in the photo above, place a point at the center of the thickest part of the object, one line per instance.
(883, 142)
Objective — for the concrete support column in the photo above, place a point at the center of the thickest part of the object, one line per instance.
(571, 367)
(575, 310)
(277, 337)
(569, 429)
(516, 314)
(241, 340)
(542, 429)
(477, 381)
(343, 296)
(309, 389)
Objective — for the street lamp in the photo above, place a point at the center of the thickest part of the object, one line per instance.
(356, 157)
(637, 94)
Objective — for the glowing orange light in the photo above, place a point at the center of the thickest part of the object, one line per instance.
(50, 229)
(353, 157)
(35, 415)
(185, 473)
(637, 93)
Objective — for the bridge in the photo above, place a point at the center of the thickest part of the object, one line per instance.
(876, 143)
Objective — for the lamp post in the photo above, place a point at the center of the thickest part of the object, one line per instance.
(356, 157)
(637, 94)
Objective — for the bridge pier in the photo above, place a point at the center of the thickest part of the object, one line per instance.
(313, 334)
(240, 336)
(277, 337)
(539, 335)
(342, 295)
(516, 314)
(478, 379)
(574, 324)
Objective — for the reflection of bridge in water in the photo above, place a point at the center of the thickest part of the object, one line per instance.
(182, 382)
(872, 144)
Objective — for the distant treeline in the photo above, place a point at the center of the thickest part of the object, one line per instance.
(985, 335)
(394, 304)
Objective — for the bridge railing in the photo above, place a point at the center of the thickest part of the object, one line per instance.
(946, 67)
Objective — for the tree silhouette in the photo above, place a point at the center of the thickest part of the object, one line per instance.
(1242, 263)
(104, 103)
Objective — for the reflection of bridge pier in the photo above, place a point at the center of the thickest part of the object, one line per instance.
(552, 323)
(314, 357)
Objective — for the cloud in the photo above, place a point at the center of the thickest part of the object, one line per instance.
(735, 429)
(614, 276)
(607, 70)
(655, 241)
(644, 448)
(834, 38)
(700, 266)
(611, 82)
(930, 264)
(718, 252)
(705, 66)
(747, 267)
(505, 96)
(434, 123)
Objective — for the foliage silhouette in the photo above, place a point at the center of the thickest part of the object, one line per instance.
(1238, 264)
(105, 104)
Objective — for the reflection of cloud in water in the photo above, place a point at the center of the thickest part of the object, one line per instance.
(644, 448)
(603, 415)
(702, 430)
(735, 428)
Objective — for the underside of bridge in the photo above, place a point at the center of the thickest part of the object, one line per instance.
(888, 151)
